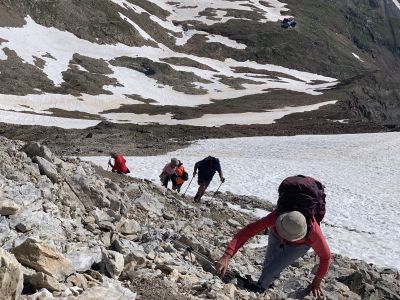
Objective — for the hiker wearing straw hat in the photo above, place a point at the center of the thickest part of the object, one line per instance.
(292, 233)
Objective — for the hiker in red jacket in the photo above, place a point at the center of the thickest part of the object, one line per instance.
(289, 239)
(119, 165)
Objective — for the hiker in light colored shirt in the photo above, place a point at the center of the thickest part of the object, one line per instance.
(168, 171)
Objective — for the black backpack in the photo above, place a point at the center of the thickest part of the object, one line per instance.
(185, 176)
(304, 194)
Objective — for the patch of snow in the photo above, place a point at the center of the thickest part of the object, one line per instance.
(3, 56)
(356, 56)
(143, 33)
(187, 10)
(211, 38)
(41, 103)
(257, 212)
(361, 173)
(19, 118)
(186, 35)
(344, 121)
(210, 120)
(397, 3)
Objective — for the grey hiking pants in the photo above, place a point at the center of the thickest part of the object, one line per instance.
(278, 257)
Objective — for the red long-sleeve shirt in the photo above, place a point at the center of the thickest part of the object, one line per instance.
(315, 240)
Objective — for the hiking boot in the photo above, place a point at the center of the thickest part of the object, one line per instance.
(254, 287)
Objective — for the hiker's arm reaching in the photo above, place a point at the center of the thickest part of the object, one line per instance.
(221, 176)
(315, 287)
(196, 166)
(219, 170)
(322, 249)
(110, 164)
(248, 232)
(241, 238)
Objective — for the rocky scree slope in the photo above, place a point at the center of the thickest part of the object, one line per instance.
(69, 230)
(356, 42)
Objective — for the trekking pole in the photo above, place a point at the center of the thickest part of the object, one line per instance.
(188, 186)
(216, 190)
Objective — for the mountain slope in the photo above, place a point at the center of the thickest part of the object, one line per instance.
(141, 61)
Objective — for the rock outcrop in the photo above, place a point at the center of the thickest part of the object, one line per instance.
(85, 236)
(11, 276)
(42, 258)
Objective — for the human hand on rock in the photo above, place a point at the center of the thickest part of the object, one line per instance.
(223, 264)
(315, 287)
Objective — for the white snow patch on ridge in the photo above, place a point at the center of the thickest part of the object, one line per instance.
(143, 33)
(210, 120)
(361, 173)
(19, 118)
(356, 56)
(397, 3)
(186, 10)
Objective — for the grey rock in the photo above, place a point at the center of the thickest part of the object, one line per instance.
(150, 204)
(126, 247)
(105, 238)
(78, 280)
(106, 225)
(233, 223)
(47, 168)
(83, 259)
(168, 216)
(127, 226)
(110, 289)
(33, 149)
(113, 262)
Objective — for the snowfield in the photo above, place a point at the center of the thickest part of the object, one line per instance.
(361, 173)
(210, 120)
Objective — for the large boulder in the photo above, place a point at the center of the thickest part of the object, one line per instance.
(40, 280)
(47, 168)
(33, 149)
(113, 262)
(110, 289)
(93, 192)
(150, 204)
(83, 259)
(11, 276)
(128, 226)
(8, 207)
(42, 258)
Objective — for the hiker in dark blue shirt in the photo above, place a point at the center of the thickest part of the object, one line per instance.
(206, 169)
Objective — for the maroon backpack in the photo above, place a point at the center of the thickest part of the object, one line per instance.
(304, 194)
